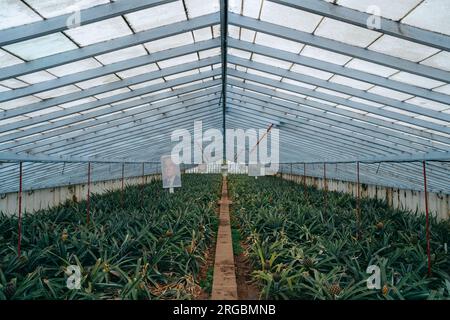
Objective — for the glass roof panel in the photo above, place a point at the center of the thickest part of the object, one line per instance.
(416, 80)
(278, 43)
(350, 109)
(444, 89)
(178, 60)
(385, 92)
(289, 17)
(271, 61)
(98, 81)
(356, 84)
(99, 31)
(235, 6)
(366, 102)
(311, 72)
(77, 102)
(247, 35)
(370, 67)
(170, 42)
(41, 47)
(15, 13)
(7, 59)
(202, 34)
(196, 8)
(393, 10)
(325, 55)
(16, 103)
(37, 77)
(439, 61)
(121, 55)
(335, 93)
(264, 74)
(13, 83)
(252, 8)
(112, 93)
(209, 53)
(57, 92)
(146, 84)
(425, 103)
(346, 33)
(239, 53)
(298, 83)
(53, 8)
(401, 48)
(182, 74)
(431, 15)
(157, 16)
(78, 66)
(137, 71)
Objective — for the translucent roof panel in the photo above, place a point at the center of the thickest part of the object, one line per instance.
(41, 47)
(52, 8)
(161, 15)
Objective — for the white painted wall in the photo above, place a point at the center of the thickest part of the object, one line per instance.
(46, 198)
(438, 203)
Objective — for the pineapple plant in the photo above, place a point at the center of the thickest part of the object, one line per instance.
(327, 255)
(121, 256)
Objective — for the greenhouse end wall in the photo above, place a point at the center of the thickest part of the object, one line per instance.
(39, 199)
(439, 203)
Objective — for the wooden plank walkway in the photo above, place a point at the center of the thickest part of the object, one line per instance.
(224, 281)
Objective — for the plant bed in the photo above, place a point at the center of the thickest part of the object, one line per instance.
(301, 250)
(151, 249)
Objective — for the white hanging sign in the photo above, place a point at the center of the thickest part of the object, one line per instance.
(171, 174)
(256, 170)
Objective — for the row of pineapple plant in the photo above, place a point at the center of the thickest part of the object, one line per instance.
(303, 247)
(152, 248)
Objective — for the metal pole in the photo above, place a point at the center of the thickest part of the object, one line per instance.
(304, 175)
(224, 34)
(142, 186)
(358, 196)
(88, 202)
(19, 243)
(325, 187)
(427, 216)
(123, 178)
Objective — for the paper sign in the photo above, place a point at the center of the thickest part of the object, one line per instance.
(171, 175)
(255, 170)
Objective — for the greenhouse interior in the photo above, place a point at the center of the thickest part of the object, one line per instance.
(224, 150)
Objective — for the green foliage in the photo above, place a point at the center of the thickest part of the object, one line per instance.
(151, 249)
(207, 282)
(301, 251)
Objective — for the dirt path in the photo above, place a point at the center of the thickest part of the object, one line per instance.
(224, 281)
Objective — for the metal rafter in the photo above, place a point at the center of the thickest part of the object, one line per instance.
(339, 70)
(109, 46)
(339, 47)
(360, 19)
(86, 16)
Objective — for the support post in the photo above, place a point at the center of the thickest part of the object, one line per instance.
(88, 201)
(122, 200)
(427, 216)
(325, 186)
(142, 186)
(304, 175)
(19, 242)
(358, 196)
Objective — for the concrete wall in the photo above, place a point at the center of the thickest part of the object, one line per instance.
(438, 203)
(44, 198)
